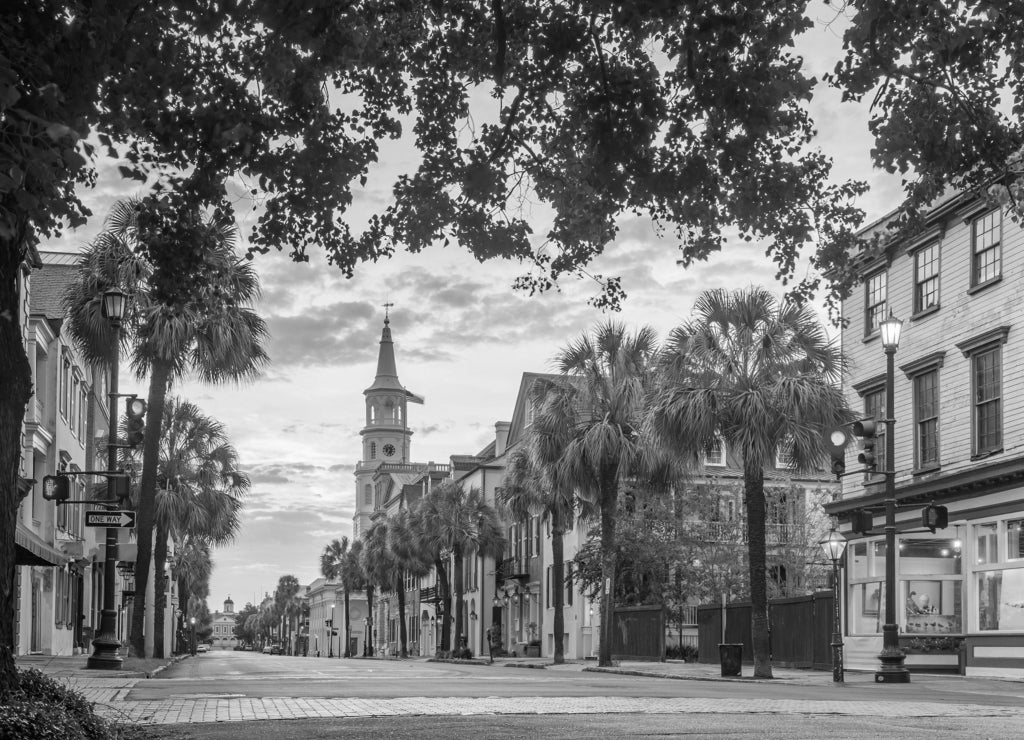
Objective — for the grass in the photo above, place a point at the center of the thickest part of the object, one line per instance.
(143, 665)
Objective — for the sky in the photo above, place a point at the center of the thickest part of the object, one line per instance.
(462, 337)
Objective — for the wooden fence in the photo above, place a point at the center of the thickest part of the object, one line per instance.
(800, 631)
(638, 633)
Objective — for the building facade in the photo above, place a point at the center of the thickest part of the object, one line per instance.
(959, 442)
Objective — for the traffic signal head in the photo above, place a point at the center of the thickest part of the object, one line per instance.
(861, 521)
(934, 517)
(866, 429)
(56, 488)
(836, 439)
(135, 410)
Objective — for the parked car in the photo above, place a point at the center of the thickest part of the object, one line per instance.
(272, 650)
(202, 648)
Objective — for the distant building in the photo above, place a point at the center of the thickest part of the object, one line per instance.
(223, 627)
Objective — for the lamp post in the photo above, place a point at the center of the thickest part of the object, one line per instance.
(366, 637)
(330, 634)
(106, 645)
(892, 669)
(192, 621)
(834, 546)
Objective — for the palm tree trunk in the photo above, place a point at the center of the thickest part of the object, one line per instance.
(147, 495)
(348, 653)
(15, 392)
(369, 610)
(609, 500)
(446, 603)
(457, 567)
(159, 591)
(753, 488)
(403, 633)
(558, 586)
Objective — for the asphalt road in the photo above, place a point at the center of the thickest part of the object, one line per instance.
(591, 727)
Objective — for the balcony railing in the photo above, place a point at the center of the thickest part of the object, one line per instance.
(510, 568)
(775, 534)
(429, 593)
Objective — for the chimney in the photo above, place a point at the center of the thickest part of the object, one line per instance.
(501, 437)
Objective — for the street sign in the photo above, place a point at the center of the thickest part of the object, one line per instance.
(110, 518)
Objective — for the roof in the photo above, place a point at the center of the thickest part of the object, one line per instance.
(48, 286)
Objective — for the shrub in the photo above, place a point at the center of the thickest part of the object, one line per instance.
(42, 708)
(682, 652)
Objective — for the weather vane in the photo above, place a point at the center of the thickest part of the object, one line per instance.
(386, 307)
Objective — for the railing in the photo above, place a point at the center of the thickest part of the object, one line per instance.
(428, 594)
(414, 468)
(775, 534)
(510, 567)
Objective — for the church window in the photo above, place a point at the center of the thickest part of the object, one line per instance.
(373, 450)
(368, 494)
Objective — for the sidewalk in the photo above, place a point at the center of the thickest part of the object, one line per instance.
(66, 666)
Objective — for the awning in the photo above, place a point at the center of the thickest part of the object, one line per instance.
(30, 550)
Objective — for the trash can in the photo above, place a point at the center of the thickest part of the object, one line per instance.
(731, 655)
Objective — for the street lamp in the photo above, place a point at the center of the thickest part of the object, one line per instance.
(330, 634)
(834, 546)
(106, 645)
(892, 669)
(367, 648)
(192, 621)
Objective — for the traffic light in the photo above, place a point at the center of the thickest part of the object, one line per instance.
(135, 410)
(56, 488)
(329, 622)
(836, 439)
(867, 430)
(861, 521)
(122, 488)
(934, 517)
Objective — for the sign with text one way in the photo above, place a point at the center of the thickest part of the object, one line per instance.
(110, 518)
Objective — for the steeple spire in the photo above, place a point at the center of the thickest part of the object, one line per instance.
(387, 371)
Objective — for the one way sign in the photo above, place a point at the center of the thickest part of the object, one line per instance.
(110, 518)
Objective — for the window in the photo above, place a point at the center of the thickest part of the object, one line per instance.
(550, 585)
(988, 417)
(65, 385)
(373, 450)
(714, 453)
(568, 583)
(999, 577)
(926, 419)
(73, 405)
(926, 278)
(367, 494)
(875, 302)
(783, 456)
(932, 587)
(986, 238)
(83, 411)
(874, 408)
(866, 601)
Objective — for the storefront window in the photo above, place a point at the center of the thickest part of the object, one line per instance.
(985, 543)
(929, 572)
(1000, 590)
(1014, 541)
(866, 561)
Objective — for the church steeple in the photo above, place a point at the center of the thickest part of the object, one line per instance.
(386, 435)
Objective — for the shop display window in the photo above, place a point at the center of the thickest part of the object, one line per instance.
(1000, 589)
(929, 571)
(986, 538)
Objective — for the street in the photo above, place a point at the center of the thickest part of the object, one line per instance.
(224, 694)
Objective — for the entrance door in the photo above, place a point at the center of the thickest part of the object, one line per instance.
(34, 640)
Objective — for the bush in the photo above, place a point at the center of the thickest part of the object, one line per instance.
(682, 652)
(44, 709)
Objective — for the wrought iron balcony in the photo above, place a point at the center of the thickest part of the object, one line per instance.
(736, 531)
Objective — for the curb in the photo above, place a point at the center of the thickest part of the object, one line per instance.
(527, 665)
(175, 659)
(649, 674)
(459, 661)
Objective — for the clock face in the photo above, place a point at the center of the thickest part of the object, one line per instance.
(389, 450)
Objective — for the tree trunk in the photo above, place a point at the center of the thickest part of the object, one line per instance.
(753, 485)
(369, 610)
(147, 494)
(403, 634)
(15, 392)
(609, 501)
(348, 653)
(444, 593)
(457, 567)
(159, 591)
(558, 585)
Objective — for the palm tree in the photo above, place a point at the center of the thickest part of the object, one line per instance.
(200, 489)
(193, 569)
(410, 560)
(762, 374)
(379, 563)
(459, 522)
(587, 439)
(287, 603)
(355, 576)
(332, 567)
(433, 550)
(202, 325)
(526, 493)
